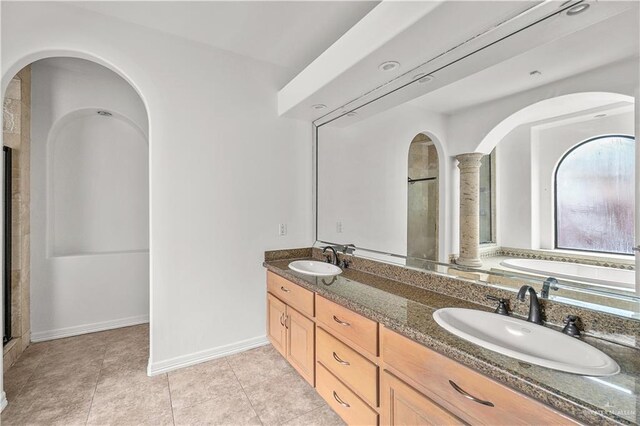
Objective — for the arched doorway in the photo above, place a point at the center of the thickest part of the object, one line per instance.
(422, 199)
(82, 228)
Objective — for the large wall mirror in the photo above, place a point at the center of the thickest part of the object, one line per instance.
(510, 157)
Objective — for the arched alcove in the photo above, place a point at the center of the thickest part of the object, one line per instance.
(97, 184)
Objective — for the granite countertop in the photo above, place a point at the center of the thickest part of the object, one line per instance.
(408, 310)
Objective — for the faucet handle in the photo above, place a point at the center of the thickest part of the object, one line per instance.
(502, 304)
(571, 328)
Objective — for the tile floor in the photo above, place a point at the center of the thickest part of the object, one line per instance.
(100, 379)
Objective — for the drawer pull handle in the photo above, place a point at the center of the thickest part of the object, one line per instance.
(469, 396)
(339, 321)
(341, 402)
(286, 290)
(340, 361)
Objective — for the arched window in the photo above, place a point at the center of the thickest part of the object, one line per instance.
(595, 196)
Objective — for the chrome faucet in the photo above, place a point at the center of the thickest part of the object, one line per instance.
(335, 255)
(534, 305)
(549, 284)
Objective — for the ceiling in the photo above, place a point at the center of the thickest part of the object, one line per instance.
(290, 34)
(491, 65)
(589, 48)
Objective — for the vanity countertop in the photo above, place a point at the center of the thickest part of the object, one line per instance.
(408, 310)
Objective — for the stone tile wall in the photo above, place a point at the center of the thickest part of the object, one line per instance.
(16, 114)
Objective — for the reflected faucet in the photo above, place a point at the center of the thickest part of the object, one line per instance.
(335, 255)
(348, 248)
(534, 305)
(549, 283)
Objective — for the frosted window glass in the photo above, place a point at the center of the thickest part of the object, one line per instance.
(595, 196)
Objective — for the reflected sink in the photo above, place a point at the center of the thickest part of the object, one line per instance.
(526, 341)
(314, 267)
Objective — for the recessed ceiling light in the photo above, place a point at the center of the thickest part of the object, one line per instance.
(104, 113)
(388, 66)
(352, 114)
(318, 106)
(599, 115)
(577, 9)
(535, 73)
(425, 79)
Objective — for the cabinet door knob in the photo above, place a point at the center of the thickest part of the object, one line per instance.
(339, 321)
(340, 361)
(469, 396)
(341, 402)
(286, 290)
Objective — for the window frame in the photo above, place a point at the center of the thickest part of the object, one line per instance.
(555, 194)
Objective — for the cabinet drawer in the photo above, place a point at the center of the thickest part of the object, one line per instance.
(453, 385)
(403, 405)
(348, 365)
(352, 409)
(290, 293)
(348, 325)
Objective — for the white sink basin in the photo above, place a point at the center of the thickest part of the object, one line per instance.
(526, 341)
(313, 267)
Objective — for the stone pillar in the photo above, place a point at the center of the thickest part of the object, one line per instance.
(469, 165)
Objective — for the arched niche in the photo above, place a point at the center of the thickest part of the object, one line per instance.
(97, 184)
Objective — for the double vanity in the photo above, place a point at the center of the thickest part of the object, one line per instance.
(374, 350)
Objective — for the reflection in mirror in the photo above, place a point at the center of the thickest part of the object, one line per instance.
(523, 170)
(422, 194)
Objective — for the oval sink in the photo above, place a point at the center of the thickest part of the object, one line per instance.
(313, 267)
(526, 341)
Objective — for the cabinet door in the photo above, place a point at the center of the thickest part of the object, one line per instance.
(402, 405)
(276, 331)
(300, 343)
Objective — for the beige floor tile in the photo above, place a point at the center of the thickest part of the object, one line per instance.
(32, 356)
(283, 398)
(323, 416)
(210, 380)
(15, 379)
(63, 415)
(101, 378)
(131, 399)
(229, 408)
(259, 364)
(45, 393)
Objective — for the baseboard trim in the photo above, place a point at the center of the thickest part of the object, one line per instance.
(60, 333)
(153, 369)
(3, 401)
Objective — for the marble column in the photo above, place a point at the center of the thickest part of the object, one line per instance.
(469, 165)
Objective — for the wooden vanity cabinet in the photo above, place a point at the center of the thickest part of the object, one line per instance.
(456, 389)
(371, 375)
(290, 332)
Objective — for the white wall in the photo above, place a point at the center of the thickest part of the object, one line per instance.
(225, 170)
(362, 177)
(89, 201)
(513, 189)
(526, 162)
